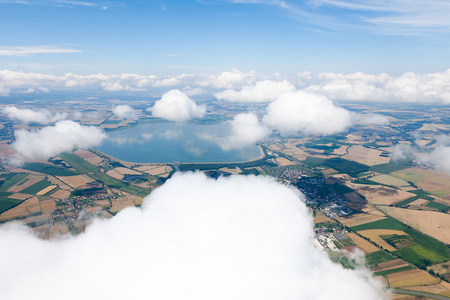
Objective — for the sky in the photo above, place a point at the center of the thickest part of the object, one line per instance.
(210, 36)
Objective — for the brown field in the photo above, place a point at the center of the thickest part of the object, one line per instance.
(361, 243)
(124, 201)
(359, 219)
(389, 265)
(374, 236)
(76, 181)
(42, 231)
(434, 224)
(341, 150)
(103, 203)
(355, 139)
(22, 210)
(419, 201)
(442, 288)
(380, 194)
(354, 197)
(429, 180)
(321, 218)
(442, 201)
(59, 183)
(60, 194)
(58, 231)
(126, 171)
(155, 170)
(115, 174)
(411, 278)
(284, 161)
(27, 182)
(365, 156)
(389, 143)
(20, 196)
(46, 190)
(90, 157)
(389, 180)
(342, 177)
(47, 206)
(442, 268)
(328, 171)
(421, 207)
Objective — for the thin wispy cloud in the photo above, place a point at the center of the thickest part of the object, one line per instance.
(30, 50)
(387, 17)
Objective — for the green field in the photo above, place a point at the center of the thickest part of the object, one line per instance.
(79, 164)
(375, 258)
(314, 161)
(12, 179)
(48, 169)
(391, 167)
(6, 204)
(440, 206)
(349, 167)
(387, 272)
(36, 187)
(420, 250)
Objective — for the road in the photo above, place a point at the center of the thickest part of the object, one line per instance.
(416, 293)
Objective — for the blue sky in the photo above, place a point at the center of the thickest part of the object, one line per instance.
(197, 37)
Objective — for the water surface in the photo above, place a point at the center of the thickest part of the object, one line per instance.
(170, 142)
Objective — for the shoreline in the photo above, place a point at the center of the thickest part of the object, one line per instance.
(128, 163)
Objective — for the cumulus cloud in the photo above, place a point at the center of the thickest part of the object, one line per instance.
(440, 158)
(245, 130)
(32, 116)
(52, 140)
(262, 91)
(29, 50)
(125, 112)
(306, 112)
(195, 238)
(228, 80)
(177, 106)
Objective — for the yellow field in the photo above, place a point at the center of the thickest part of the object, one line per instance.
(429, 180)
(115, 174)
(232, 171)
(284, 162)
(389, 180)
(60, 194)
(46, 190)
(365, 156)
(19, 196)
(374, 236)
(419, 201)
(411, 278)
(380, 194)
(321, 218)
(434, 224)
(154, 170)
(341, 150)
(361, 243)
(76, 181)
(126, 171)
(442, 288)
(359, 219)
(22, 210)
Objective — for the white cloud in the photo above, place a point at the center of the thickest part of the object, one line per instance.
(440, 158)
(308, 113)
(29, 50)
(262, 91)
(177, 106)
(32, 116)
(52, 140)
(369, 119)
(245, 130)
(228, 80)
(125, 112)
(195, 238)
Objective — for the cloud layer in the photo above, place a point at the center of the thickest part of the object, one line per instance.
(32, 116)
(245, 130)
(177, 106)
(307, 113)
(52, 140)
(262, 91)
(195, 238)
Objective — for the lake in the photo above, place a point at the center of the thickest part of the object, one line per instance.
(171, 142)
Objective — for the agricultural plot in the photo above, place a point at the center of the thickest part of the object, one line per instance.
(359, 219)
(37, 187)
(115, 174)
(77, 181)
(6, 205)
(390, 265)
(284, 161)
(443, 268)
(90, 157)
(11, 180)
(376, 258)
(47, 169)
(24, 209)
(389, 180)
(321, 218)
(434, 224)
(383, 195)
(366, 156)
(46, 190)
(349, 167)
(441, 288)
(361, 243)
(431, 181)
(79, 164)
(412, 277)
(126, 171)
(374, 235)
(158, 170)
